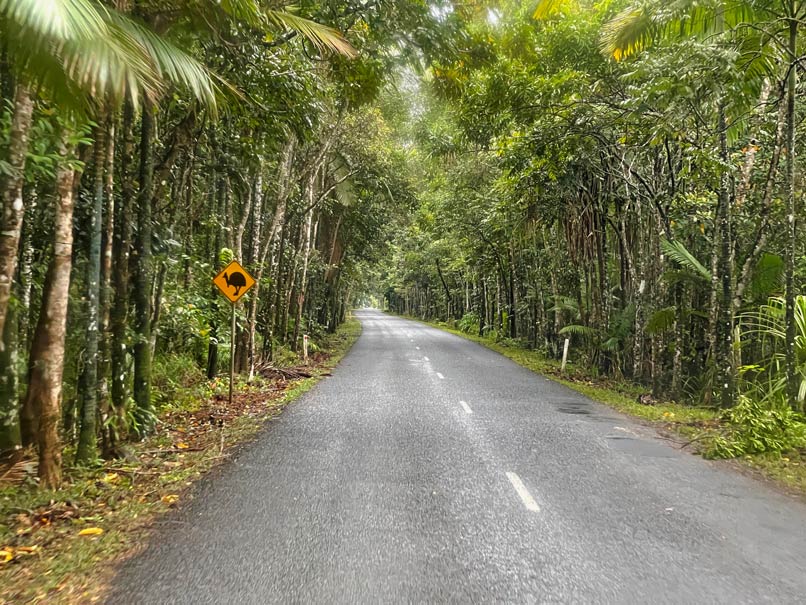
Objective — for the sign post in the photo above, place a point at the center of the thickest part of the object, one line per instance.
(234, 282)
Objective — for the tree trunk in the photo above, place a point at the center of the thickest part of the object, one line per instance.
(304, 279)
(792, 378)
(9, 385)
(724, 346)
(105, 294)
(86, 451)
(119, 319)
(13, 207)
(142, 277)
(46, 361)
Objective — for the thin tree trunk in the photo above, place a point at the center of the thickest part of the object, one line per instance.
(105, 300)
(119, 319)
(142, 277)
(724, 347)
(13, 206)
(87, 450)
(9, 384)
(304, 279)
(792, 378)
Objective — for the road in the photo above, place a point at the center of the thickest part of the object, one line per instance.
(429, 469)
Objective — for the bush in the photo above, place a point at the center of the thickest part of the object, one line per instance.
(756, 428)
(469, 324)
(175, 377)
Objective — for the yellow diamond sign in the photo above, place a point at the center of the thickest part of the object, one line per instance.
(234, 281)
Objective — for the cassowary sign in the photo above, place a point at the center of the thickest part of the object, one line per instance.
(234, 281)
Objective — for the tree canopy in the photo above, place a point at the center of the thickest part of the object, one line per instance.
(621, 176)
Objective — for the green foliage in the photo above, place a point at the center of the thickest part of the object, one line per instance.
(765, 331)
(469, 324)
(178, 382)
(751, 427)
(678, 252)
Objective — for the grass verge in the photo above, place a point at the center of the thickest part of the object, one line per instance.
(689, 425)
(60, 547)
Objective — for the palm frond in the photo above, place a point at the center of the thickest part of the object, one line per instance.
(579, 330)
(661, 320)
(767, 275)
(677, 251)
(169, 62)
(322, 36)
(638, 26)
(60, 20)
(248, 11)
(548, 8)
(628, 33)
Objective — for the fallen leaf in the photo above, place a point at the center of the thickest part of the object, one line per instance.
(91, 531)
(182, 445)
(170, 499)
(6, 555)
(110, 478)
(27, 550)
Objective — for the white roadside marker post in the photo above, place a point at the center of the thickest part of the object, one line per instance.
(565, 354)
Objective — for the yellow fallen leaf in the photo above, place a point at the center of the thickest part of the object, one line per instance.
(110, 478)
(785, 459)
(182, 445)
(6, 555)
(170, 499)
(27, 550)
(91, 531)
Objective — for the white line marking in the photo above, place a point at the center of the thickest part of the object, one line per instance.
(426, 359)
(466, 407)
(418, 348)
(526, 497)
(440, 376)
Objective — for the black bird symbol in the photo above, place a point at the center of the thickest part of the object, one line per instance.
(236, 280)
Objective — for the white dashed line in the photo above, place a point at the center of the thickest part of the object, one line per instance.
(466, 407)
(426, 359)
(526, 497)
(440, 376)
(418, 348)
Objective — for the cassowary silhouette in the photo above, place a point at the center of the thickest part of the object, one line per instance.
(236, 280)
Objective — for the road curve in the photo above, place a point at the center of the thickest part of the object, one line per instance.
(429, 469)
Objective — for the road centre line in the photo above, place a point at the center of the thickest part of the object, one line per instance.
(426, 358)
(440, 376)
(466, 407)
(526, 497)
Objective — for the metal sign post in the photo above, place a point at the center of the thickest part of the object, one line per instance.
(232, 355)
(234, 281)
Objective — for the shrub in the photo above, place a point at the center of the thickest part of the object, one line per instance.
(469, 324)
(752, 427)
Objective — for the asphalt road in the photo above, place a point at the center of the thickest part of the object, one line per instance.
(429, 469)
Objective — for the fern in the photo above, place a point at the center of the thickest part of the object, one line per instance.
(578, 330)
(661, 320)
(677, 251)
